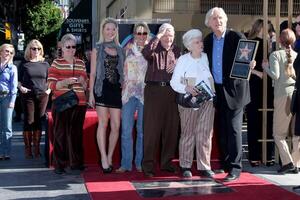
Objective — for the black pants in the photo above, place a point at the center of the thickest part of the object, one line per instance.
(254, 133)
(229, 126)
(18, 106)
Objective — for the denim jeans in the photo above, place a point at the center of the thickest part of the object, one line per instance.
(128, 113)
(5, 126)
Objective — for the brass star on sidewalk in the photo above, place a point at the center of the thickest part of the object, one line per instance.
(245, 52)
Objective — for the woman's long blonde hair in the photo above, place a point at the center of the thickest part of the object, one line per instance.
(27, 54)
(107, 21)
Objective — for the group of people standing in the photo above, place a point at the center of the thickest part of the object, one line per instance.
(31, 80)
(156, 68)
(141, 81)
(281, 71)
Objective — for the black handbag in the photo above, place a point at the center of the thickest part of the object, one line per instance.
(183, 100)
(65, 101)
(293, 106)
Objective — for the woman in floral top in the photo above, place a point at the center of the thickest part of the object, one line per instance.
(133, 98)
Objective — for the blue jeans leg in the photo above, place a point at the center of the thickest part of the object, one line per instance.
(128, 111)
(5, 126)
(140, 135)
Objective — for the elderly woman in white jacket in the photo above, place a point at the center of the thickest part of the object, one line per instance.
(196, 124)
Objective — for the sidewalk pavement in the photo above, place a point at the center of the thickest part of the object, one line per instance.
(30, 179)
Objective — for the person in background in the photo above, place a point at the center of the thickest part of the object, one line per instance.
(34, 93)
(282, 72)
(106, 79)
(232, 94)
(87, 61)
(161, 119)
(296, 127)
(272, 37)
(68, 73)
(18, 110)
(196, 124)
(254, 115)
(8, 94)
(133, 98)
(59, 50)
(297, 32)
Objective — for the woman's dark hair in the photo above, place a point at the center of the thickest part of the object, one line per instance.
(271, 28)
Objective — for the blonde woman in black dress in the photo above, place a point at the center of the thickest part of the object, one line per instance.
(106, 79)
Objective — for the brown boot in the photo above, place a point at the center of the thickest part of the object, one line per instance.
(36, 143)
(27, 135)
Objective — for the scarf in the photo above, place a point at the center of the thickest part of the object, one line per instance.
(100, 69)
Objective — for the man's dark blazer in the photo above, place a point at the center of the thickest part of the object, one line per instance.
(237, 92)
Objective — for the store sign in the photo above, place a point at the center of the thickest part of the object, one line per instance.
(21, 41)
(77, 25)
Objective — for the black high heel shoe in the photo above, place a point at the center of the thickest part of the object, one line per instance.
(107, 170)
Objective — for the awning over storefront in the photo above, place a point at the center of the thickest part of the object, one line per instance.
(79, 21)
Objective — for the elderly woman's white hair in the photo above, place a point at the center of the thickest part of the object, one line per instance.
(189, 36)
(211, 13)
(166, 26)
(68, 37)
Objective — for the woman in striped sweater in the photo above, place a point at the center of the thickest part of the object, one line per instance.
(64, 74)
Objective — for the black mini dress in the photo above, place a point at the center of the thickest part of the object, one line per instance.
(111, 88)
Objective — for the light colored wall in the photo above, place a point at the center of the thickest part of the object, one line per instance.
(134, 8)
(181, 21)
(143, 9)
(114, 9)
(184, 22)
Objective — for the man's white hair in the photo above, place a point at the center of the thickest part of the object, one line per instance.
(166, 26)
(211, 12)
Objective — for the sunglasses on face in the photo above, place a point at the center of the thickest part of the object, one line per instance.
(35, 48)
(69, 47)
(8, 51)
(141, 33)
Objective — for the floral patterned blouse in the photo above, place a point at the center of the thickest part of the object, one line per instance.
(135, 67)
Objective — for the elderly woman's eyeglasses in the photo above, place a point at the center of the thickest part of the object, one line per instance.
(142, 33)
(69, 47)
(35, 48)
(8, 51)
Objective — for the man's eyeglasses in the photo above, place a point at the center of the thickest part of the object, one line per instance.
(35, 48)
(69, 47)
(142, 33)
(8, 51)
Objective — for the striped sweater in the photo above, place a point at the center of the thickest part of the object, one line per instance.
(60, 70)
